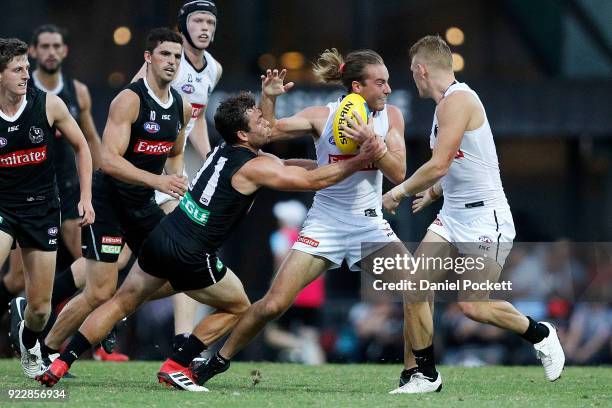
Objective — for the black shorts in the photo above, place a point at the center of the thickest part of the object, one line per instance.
(32, 226)
(186, 270)
(70, 194)
(117, 224)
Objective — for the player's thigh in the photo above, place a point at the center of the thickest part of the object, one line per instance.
(39, 271)
(137, 287)
(434, 249)
(227, 294)
(478, 273)
(71, 234)
(6, 241)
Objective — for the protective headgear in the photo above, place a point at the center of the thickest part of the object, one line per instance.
(195, 6)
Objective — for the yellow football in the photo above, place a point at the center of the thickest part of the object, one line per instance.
(351, 103)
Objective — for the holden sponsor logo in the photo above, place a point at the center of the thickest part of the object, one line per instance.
(151, 127)
(3, 142)
(112, 240)
(154, 148)
(308, 241)
(24, 157)
(188, 88)
(52, 231)
(36, 135)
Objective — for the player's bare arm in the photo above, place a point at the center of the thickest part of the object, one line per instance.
(454, 114)
(58, 116)
(123, 112)
(87, 124)
(175, 163)
(271, 172)
(308, 121)
(304, 163)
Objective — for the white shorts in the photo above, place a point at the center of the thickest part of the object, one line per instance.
(489, 231)
(334, 240)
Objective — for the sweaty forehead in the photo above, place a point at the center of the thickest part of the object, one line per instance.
(18, 60)
(201, 14)
(376, 72)
(170, 46)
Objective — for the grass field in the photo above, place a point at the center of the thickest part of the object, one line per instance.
(289, 385)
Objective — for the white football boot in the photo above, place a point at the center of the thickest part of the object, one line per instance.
(419, 384)
(31, 359)
(550, 352)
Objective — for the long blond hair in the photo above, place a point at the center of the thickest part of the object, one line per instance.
(332, 68)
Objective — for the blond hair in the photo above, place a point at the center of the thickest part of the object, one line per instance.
(332, 68)
(433, 51)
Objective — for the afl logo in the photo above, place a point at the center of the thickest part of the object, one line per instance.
(52, 231)
(3, 142)
(36, 135)
(151, 127)
(331, 140)
(188, 88)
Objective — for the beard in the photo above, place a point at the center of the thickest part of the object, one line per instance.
(50, 70)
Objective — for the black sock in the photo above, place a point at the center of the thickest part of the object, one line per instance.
(536, 332)
(179, 340)
(48, 326)
(64, 287)
(425, 361)
(188, 351)
(77, 346)
(5, 297)
(46, 350)
(28, 337)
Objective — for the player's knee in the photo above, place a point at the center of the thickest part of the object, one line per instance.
(99, 296)
(273, 307)
(39, 309)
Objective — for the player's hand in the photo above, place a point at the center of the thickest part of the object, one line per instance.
(422, 200)
(373, 149)
(272, 84)
(389, 203)
(358, 130)
(171, 184)
(86, 212)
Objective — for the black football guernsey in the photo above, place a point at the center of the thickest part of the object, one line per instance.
(211, 208)
(152, 137)
(27, 173)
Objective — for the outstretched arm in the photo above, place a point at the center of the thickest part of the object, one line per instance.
(270, 171)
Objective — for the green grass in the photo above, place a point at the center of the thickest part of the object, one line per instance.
(289, 385)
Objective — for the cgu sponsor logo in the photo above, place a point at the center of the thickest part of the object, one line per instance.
(24, 157)
(196, 213)
(335, 158)
(154, 148)
(196, 110)
(308, 241)
(151, 127)
(111, 249)
(112, 240)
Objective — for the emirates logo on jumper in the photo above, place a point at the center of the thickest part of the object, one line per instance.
(154, 148)
(24, 157)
